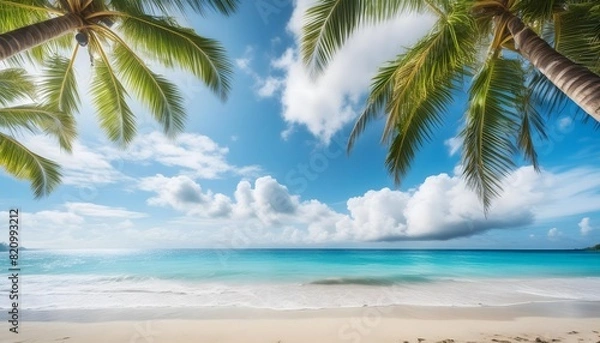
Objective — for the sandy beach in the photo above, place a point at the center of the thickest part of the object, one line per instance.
(577, 323)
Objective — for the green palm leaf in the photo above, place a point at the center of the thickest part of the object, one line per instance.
(546, 94)
(16, 14)
(531, 125)
(578, 33)
(225, 7)
(416, 127)
(59, 85)
(108, 97)
(160, 96)
(381, 92)
(492, 124)
(176, 46)
(535, 10)
(531, 121)
(438, 57)
(506, 94)
(22, 163)
(416, 89)
(19, 13)
(119, 36)
(15, 84)
(331, 22)
(36, 117)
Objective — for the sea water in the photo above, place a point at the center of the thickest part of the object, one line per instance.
(303, 278)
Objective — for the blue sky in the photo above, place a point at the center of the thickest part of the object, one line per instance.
(268, 168)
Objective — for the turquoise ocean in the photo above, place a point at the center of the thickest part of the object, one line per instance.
(303, 278)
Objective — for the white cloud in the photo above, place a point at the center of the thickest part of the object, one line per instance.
(79, 225)
(101, 211)
(197, 155)
(95, 164)
(265, 212)
(328, 103)
(454, 145)
(565, 124)
(184, 194)
(53, 218)
(84, 166)
(441, 208)
(554, 233)
(264, 87)
(269, 86)
(585, 226)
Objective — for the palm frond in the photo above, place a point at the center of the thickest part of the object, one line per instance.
(416, 89)
(577, 38)
(19, 13)
(492, 124)
(34, 117)
(164, 7)
(416, 126)
(532, 11)
(59, 85)
(329, 23)
(176, 46)
(109, 99)
(439, 56)
(15, 84)
(546, 95)
(160, 96)
(532, 123)
(24, 164)
(381, 92)
(16, 14)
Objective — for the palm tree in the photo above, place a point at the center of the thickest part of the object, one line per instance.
(15, 158)
(516, 56)
(120, 37)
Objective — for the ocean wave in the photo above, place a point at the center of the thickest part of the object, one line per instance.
(128, 291)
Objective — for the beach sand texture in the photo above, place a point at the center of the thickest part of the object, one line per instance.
(361, 325)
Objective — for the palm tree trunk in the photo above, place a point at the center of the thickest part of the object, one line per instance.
(576, 81)
(27, 37)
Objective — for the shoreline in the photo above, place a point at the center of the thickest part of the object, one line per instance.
(566, 309)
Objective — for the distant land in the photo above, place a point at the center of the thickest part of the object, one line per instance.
(5, 247)
(594, 248)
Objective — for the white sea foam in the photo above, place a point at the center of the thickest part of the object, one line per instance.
(43, 292)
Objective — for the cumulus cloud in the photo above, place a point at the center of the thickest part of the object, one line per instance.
(585, 226)
(266, 200)
(554, 233)
(184, 194)
(328, 103)
(88, 164)
(196, 155)
(441, 208)
(265, 212)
